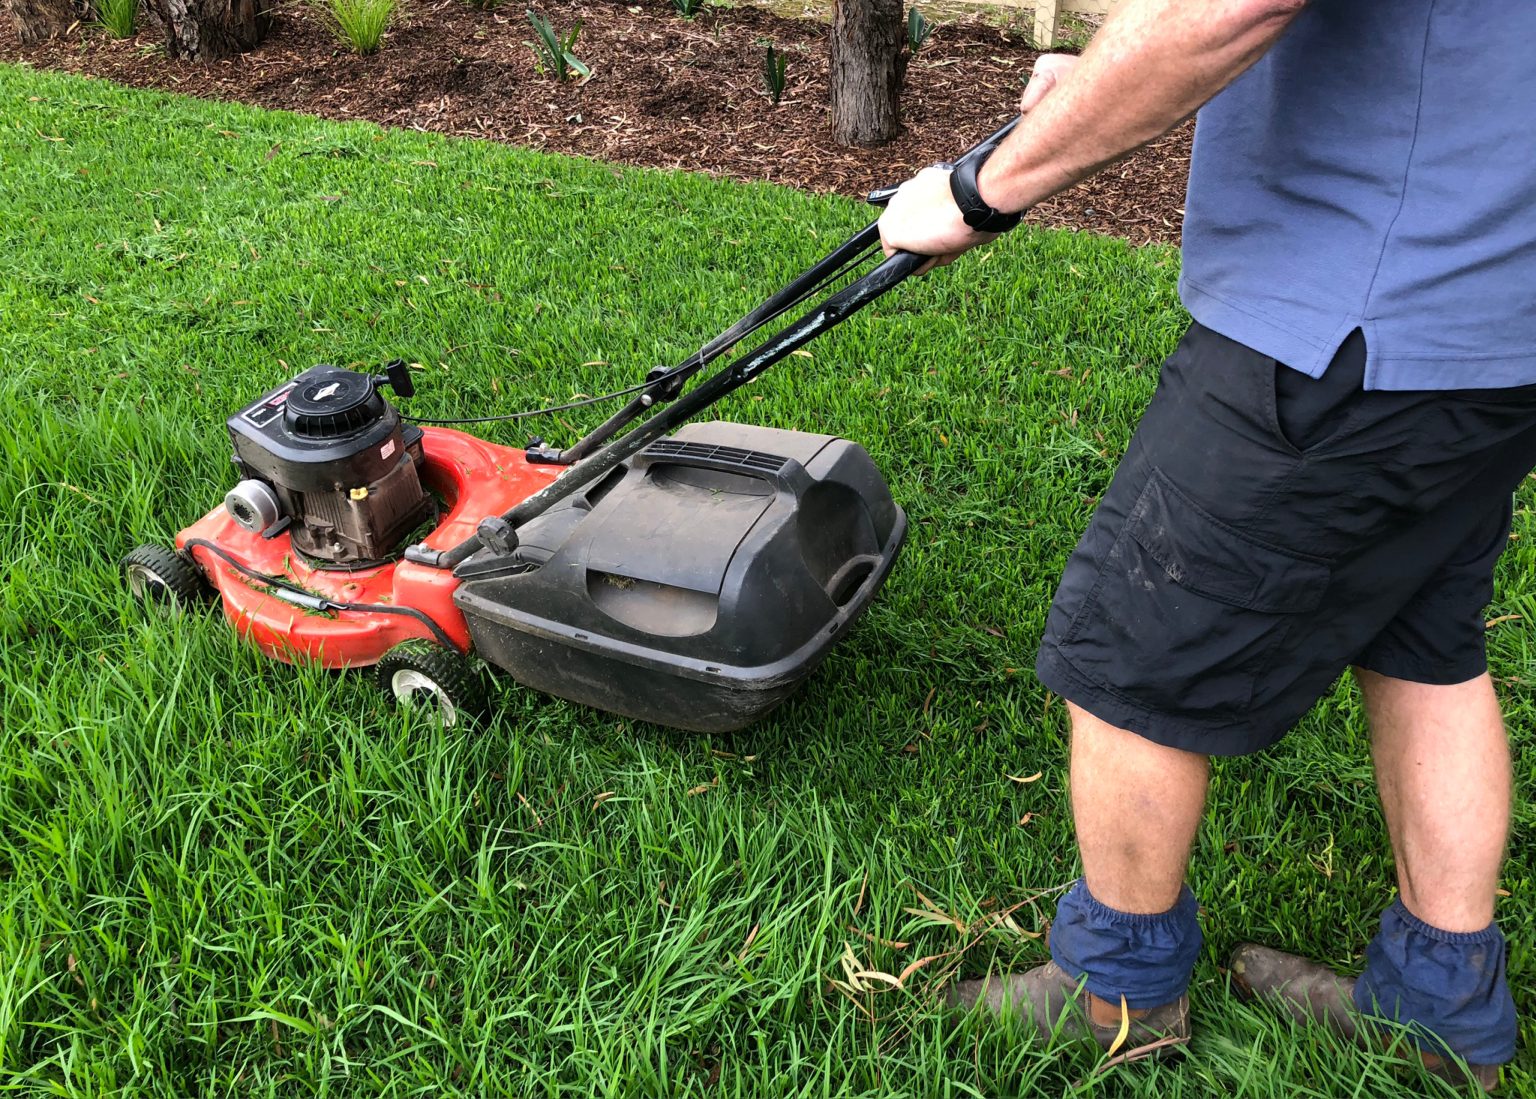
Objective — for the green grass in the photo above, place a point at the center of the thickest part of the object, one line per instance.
(220, 875)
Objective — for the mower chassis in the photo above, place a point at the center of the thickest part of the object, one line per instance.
(473, 478)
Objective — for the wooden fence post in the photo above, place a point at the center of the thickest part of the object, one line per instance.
(1046, 13)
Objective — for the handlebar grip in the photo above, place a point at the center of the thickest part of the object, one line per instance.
(985, 146)
(882, 195)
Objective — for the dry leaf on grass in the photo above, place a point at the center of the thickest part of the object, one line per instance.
(893, 944)
(933, 912)
(1140, 1053)
(1123, 1033)
(751, 935)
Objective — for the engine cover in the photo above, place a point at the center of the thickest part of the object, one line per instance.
(345, 470)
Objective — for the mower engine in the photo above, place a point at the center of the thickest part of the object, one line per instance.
(327, 458)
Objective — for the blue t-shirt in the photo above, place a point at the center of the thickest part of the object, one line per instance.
(1376, 170)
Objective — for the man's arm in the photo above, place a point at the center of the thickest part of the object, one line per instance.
(1152, 64)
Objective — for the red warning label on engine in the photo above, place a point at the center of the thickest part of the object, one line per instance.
(269, 407)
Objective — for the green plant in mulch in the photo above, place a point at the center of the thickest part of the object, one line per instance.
(774, 64)
(687, 8)
(552, 49)
(359, 24)
(119, 18)
(918, 30)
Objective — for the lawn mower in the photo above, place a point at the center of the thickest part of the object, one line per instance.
(693, 580)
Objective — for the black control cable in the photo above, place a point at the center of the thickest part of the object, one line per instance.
(290, 592)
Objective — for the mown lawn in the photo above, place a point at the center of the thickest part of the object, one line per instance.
(220, 875)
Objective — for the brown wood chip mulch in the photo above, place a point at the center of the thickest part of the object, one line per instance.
(665, 92)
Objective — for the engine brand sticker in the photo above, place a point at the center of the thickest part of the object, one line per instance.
(268, 408)
(387, 449)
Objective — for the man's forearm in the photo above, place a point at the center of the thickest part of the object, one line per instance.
(1152, 64)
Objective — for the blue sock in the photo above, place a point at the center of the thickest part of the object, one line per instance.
(1147, 959)
(1450, 985)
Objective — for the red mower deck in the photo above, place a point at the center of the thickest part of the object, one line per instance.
(474, 479)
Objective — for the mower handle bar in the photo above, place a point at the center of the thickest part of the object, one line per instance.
(832, 262)
(501, 530)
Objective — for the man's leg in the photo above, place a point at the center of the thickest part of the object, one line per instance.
(1127, 931)
(1136, 805)
(1443, 768)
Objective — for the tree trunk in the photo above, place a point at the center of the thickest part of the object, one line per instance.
(867, 70)
(39, 19)
(207, 30)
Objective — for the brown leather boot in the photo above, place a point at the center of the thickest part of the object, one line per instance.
(1307, 992)
(1052, 1001)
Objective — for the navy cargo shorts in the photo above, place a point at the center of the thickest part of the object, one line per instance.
(1266, 530)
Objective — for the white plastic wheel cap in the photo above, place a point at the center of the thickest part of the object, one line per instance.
(145, 583)
(411, 687)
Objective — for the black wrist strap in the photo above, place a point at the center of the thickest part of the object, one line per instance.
(973, 208)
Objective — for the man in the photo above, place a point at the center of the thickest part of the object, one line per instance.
(1322, 480)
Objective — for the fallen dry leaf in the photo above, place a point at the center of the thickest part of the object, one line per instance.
(1123, 1033)
(748, 944)
(875, 974)
(538, 821)
(1138, 1054)
(893, 944)
(1021, 779)
(1012, 925)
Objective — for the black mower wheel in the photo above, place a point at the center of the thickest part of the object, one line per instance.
(422, 673)
(155, 574)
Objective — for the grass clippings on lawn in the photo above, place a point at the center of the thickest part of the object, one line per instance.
(666, 92)
(222, 875)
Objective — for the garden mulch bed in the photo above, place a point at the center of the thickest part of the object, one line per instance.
(666, 92)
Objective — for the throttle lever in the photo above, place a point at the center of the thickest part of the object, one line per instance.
(397, 375)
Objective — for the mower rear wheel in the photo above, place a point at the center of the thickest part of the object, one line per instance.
(155, 574)
(421, 673)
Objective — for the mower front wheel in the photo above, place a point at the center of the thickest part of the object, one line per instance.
(158, 575)
(423, 674)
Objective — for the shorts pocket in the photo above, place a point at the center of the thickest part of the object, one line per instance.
(1186, 610)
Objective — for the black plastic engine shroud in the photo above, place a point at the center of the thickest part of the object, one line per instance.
(344, 468)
